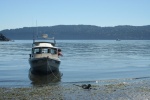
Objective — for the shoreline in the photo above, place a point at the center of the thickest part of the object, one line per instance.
(137, 89)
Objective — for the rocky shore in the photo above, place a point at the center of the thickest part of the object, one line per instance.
(138, 90)
(3, 38)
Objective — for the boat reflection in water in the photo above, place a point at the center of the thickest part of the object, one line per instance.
(38, 79)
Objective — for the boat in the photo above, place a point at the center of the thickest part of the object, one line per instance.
(44, 58)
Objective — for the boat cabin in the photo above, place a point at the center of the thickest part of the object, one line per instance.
(44, 49)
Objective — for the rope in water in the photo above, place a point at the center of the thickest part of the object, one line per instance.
(50, 70)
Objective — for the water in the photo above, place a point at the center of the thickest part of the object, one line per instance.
(83, 60)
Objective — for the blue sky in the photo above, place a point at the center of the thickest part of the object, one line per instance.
(25, 13)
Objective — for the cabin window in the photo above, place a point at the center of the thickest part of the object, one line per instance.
(53, 51)
(44, 50)
(36, 51)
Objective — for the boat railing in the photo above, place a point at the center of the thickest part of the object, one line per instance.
(45, 37)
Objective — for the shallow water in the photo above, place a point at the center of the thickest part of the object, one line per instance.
(83, 60)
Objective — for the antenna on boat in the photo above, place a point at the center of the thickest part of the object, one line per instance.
(35, 34)
(54, 40)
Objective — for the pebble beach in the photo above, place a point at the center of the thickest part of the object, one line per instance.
(137, 89)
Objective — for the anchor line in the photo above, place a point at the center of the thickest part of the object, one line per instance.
(51, 69)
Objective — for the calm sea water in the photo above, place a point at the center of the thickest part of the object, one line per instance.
(83, 60)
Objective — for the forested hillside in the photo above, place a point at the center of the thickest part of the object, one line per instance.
(82, 32)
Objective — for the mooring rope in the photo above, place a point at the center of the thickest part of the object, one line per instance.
(51, 69)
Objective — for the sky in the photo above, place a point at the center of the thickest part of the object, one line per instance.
(26, 13)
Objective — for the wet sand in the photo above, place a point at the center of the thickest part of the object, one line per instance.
(133, 90)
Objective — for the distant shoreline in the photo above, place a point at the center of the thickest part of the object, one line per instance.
(82, 32)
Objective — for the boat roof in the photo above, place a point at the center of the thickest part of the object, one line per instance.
(43, 44)
(37, 43)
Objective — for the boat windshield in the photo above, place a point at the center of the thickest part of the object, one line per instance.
(44, 50)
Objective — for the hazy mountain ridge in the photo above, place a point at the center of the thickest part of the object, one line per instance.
(125, 32)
